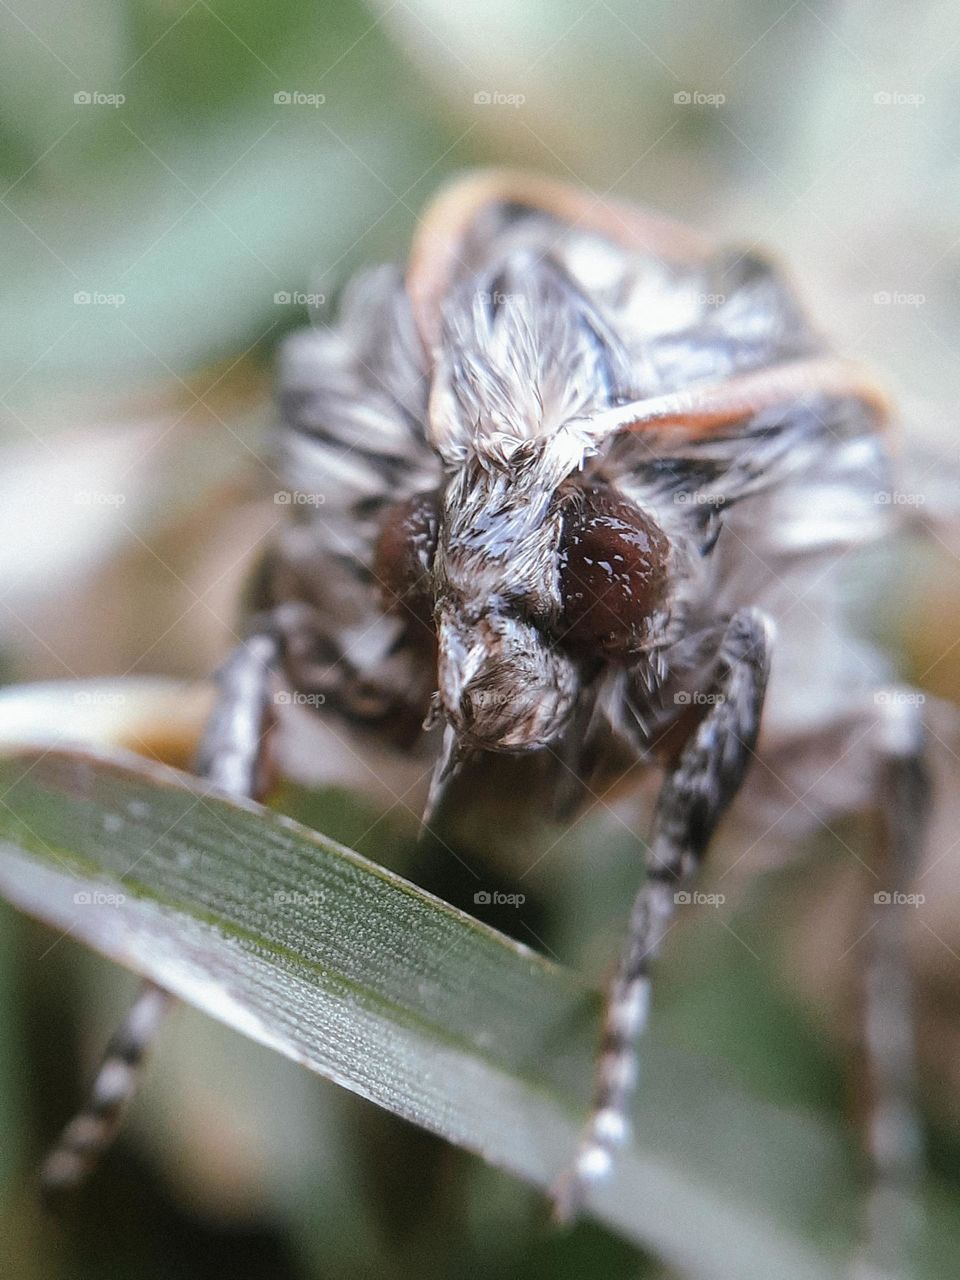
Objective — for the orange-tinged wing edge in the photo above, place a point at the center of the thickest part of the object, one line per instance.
(437, 244)
(701, 411)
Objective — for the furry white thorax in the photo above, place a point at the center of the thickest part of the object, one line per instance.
(521, 357)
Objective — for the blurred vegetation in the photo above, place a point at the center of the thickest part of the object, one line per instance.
(134, 432)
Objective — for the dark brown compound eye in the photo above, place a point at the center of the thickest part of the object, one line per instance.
(404, 555)
(613, 573)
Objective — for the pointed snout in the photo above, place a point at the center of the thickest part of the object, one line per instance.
(502, 687)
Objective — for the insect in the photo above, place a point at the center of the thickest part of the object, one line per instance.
(578, 466)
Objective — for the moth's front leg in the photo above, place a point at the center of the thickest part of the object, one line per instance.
(694, 796)
(231, 756)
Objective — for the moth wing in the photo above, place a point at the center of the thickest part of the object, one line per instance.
(467, 222)
(353, 403)
(706, 409)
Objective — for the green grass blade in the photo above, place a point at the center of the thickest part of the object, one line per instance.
(348, 969)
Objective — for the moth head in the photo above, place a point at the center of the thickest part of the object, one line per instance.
(503, 686)
(532, 585)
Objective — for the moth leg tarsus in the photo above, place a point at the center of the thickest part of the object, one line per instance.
(231, 756)
(695, 794)
(91, 1131)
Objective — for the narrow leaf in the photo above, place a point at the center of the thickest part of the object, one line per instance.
(346, 968)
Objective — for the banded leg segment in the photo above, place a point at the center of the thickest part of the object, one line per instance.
(692, 801)
(893, 1135)
(232, 750)
(230, 756)
(92, 1129)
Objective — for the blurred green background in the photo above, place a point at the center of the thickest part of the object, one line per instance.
(181, 183)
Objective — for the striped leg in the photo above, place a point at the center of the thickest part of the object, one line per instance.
(694, 797)
(893, 1137)
(231, 757)
(92, 1129)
